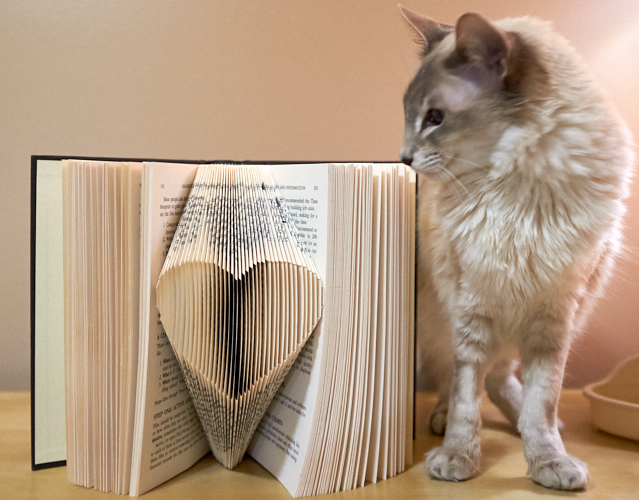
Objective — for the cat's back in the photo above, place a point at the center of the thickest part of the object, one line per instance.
(566, 113)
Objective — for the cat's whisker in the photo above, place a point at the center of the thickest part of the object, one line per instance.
(454, 181)
(457, 194)
(456, 158)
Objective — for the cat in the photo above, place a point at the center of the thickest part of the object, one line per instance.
(523, 167)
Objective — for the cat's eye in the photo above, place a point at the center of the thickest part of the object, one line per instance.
(433, 118)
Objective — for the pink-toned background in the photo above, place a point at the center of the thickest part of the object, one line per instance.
(288, 80)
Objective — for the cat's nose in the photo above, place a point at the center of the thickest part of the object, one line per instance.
(408, 160)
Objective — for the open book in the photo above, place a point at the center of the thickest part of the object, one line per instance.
(342, 416)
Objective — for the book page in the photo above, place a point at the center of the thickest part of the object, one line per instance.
(410, 395)
(375, 216)
(130, 317)
(48, 371)
(169, 437)
(281, 440)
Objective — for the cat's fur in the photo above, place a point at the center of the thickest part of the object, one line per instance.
(520, 208)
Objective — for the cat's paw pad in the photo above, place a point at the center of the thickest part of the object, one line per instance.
(438, 421)
(561, 473)
(449, 465)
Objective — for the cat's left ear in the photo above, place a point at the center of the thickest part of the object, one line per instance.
(481, 45)
(430, 31)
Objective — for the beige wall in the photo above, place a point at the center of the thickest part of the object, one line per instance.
(294, 79)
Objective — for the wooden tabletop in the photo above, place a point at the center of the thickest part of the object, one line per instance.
(613, 463)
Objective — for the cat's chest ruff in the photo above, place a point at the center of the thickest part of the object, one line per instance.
(504, 246)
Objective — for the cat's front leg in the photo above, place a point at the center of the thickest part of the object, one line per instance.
(459, 457)
(543, 351)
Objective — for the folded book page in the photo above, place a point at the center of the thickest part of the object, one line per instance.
(239, 298)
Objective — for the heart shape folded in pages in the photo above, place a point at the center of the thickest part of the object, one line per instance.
(237, 311)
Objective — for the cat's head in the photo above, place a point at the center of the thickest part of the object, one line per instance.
(470, 88)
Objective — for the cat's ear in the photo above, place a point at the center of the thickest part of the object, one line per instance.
(480, 44)
(430, 31)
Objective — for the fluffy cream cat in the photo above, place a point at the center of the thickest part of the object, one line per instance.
(524, 168)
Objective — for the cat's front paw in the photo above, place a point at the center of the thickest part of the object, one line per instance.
(561, 473)
(450, 465)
